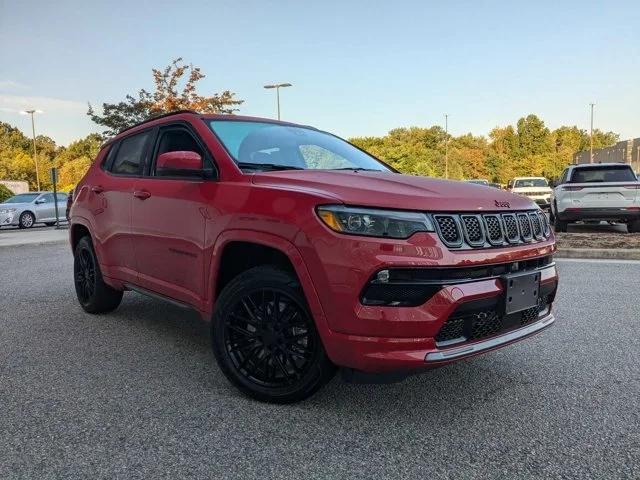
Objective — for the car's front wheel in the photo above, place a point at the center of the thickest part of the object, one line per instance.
(94, 295)
(265, 339)
(27, 219)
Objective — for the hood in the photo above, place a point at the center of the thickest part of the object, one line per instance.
(393, 190)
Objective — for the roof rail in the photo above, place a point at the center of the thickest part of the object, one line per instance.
(175, 112)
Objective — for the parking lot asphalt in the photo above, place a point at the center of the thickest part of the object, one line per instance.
(13, 236)
(137, 394)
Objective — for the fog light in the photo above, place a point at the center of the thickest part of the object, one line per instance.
(383, 276)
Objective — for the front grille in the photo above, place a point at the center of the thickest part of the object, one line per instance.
(473, 230)
(494, 229)
(525, 227)
(511, 228)
(487, 322)
(449, 229)
(535, 223)
(491, 230)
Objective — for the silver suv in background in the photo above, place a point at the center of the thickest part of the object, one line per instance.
(26, 209)
(594, 192)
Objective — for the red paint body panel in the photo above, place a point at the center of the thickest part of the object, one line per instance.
(171, 239)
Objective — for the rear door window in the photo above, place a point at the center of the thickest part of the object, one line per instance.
(130, 156)
(603, 174)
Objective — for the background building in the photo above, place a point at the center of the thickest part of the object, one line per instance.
(626, 151)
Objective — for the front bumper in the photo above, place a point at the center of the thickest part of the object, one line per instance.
(404, 353)
(8, 219)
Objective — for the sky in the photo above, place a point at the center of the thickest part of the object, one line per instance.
(358, 68)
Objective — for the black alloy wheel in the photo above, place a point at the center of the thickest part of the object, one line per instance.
(265, 340)
(94, 295)
(270, 339)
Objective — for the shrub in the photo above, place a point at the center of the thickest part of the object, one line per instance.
(5, 193)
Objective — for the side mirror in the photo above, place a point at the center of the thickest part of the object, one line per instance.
(179, 164)
(40, 201)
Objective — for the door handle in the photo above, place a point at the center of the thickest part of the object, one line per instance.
(141, 194)
(97, 189)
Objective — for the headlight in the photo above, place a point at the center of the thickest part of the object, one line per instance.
(374, 222)
(7, 210)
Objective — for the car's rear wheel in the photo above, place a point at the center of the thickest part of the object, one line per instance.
(27, 219)
(94, 295)
(560, 225)
(634, 226)
(265, 339)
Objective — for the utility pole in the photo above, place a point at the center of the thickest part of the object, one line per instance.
(277, 86)
(35, 153)
(591, 135)
(446, 145)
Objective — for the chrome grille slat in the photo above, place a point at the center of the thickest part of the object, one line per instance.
(534, 219)
(512, 231)
(494, 230)
(525, 227)
(473, 232)
(449, 230)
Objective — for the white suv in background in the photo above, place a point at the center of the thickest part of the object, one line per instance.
(536, 188)
(602, 191)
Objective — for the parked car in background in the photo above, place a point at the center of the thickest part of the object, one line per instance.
(306, 253)
(535, 188)
(595, 192)
(27, 209)
(478, 181)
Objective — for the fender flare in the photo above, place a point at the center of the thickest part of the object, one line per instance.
(277, 243)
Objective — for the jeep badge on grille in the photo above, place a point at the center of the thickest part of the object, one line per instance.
(502, 204)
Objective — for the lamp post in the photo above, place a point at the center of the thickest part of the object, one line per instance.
(35, 152)
(277, 86)
(446, 145)
(591, 135)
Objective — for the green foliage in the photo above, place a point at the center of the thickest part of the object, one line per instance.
(5, 193)
(528, 149)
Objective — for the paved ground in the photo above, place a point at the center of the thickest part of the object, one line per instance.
(137, 394)
(13, 236)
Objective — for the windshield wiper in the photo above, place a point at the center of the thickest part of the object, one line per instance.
(267, 166)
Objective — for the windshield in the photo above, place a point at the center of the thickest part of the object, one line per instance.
(531, 182)
(22, 198)
(270, 146)
(479, 182)
(603, 174)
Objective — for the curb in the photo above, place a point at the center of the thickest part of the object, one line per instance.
(601, 253)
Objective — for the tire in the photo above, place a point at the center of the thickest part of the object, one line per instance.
(26, 220)
(271, 354)
(94, 295)
(560, 225)
(634, 226)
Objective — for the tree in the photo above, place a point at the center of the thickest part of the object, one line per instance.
(5, 193)
(74, 161)
(168, 96)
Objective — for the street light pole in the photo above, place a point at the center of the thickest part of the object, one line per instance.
(35, 152)
(591, 135)
(277, 86)
(446, 145)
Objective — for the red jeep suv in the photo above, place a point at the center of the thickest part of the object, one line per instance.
(306, 253)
